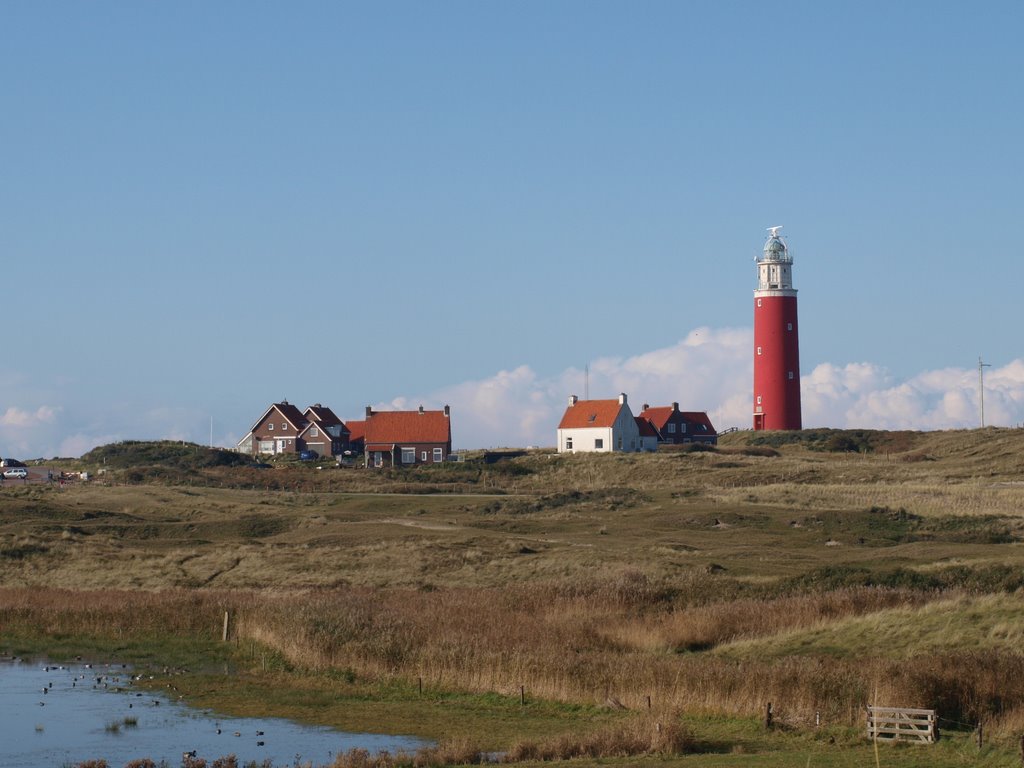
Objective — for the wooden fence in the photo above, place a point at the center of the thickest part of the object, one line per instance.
(900, 723)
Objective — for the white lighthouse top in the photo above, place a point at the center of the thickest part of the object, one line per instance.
(775, 249)
(775, 267)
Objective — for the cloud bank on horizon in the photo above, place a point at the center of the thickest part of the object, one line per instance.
(709, 370)
(712, 370)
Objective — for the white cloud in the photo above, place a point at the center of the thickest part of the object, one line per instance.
(22, 419)
(866, 395)
(712, 370)
(709, 370)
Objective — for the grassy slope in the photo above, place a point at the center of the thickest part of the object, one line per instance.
(977, 622)
(748, 524)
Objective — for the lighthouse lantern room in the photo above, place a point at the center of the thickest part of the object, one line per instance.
(776, 345)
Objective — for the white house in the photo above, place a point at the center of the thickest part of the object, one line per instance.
(598, 425)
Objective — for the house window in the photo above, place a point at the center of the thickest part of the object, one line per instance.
(671, 428)
(620, 443)
(284, 427)
(439, 454)
(423, 456)
(682, 428)
(790, 375)
(378, 459)
(568, 443)
(313, 432)
(408, 455)
(270, 427)
(598, 443)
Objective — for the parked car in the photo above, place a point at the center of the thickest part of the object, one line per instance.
(16, 472)
(308, 455)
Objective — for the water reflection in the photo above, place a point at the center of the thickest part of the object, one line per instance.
(61, 715)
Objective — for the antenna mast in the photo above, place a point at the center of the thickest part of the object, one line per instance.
(981, 388)
(586, 381)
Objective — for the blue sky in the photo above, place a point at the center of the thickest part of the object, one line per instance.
(206, 207)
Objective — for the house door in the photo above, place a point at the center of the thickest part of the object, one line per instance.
(280, 446)
(758, 421)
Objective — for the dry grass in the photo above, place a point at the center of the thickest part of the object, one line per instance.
(699, 628)
(556, 642)
(705, 581)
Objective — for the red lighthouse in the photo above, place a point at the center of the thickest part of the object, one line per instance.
(776, 345)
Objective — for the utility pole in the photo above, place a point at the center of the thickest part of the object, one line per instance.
(981, 388)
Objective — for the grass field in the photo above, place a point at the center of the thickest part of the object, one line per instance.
(781, 567)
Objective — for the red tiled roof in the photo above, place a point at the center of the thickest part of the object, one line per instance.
(356, 430)
(646, 428)
(658, 416)
(590, 413)
(408, 427)
(700, 418)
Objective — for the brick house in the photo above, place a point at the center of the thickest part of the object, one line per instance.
(406, 438)
(649, 437)
(283, 428)
(675, 426)
(324, 432)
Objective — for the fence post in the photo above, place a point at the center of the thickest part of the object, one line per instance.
(768, 715)
(224, 634)
(419, 682)
(522, 695)
(648, 702)
(981, 734)
(1022, 750)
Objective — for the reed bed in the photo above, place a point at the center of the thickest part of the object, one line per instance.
(586, 642)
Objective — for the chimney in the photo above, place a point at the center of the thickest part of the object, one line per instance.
(675, 407)
(573, 400)
(317, 405)
(421, 410)
(369, 411)
(646, 406)
(447, 412)
(622, 398)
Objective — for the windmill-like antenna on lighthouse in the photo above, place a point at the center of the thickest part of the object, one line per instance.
(981, 388)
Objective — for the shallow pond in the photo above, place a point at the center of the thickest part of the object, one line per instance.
(62, 715)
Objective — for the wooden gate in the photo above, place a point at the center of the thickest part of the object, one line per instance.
(901, 723)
